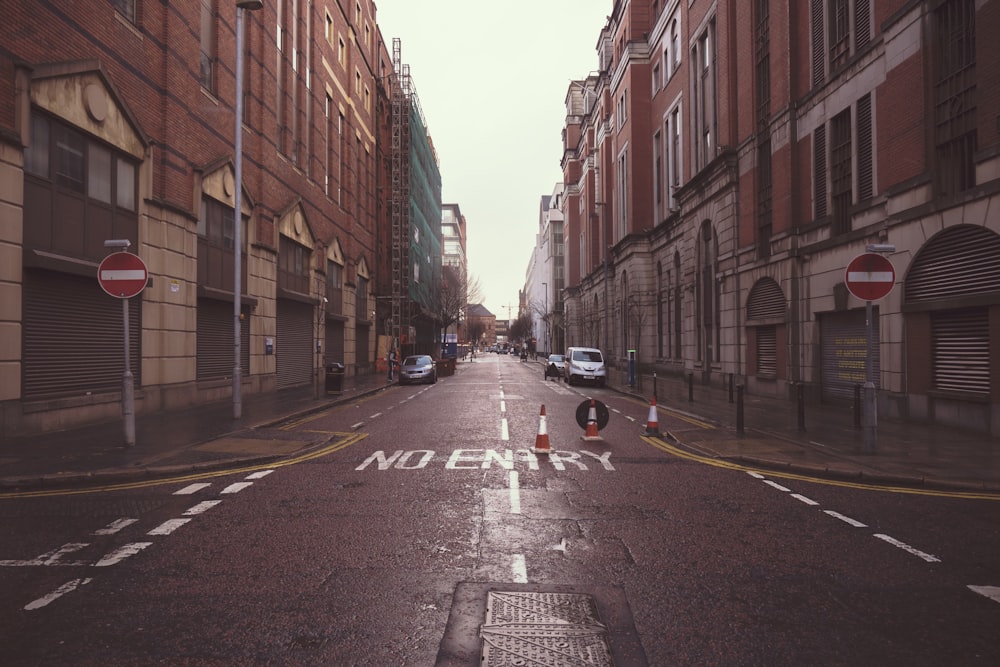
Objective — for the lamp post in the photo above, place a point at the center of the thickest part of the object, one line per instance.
(548, 341)
(241, 5)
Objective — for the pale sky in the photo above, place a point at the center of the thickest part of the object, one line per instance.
(491, 79)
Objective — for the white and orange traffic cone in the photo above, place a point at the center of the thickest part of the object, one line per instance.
(591, 433)
(542, 439)
(652, 422)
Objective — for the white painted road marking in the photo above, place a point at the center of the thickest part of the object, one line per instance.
(191, 489)
(49, 558)
(515, 493)
(237, 487)
(476, 459)
(115, 526)
(992, 592)
(121, 553)
(260, 474)
(68, 587)
(906, 547)
(846, 519)
(520, 569)
(168, 527)
(807, 501)
(201, 507)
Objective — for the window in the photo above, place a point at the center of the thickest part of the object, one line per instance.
(126, 8)
(656, 78)
(954, 81)
(705, 95)
(819, 172)
(293, 265)
(658, 169)
(334, 287)
(328, 30)
(764, 203)
(673, 156)
(839, 30)
(675, 46)
(209, 52)
(841, 172)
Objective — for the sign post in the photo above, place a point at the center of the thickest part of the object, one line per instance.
(124, 275)
(870, 277)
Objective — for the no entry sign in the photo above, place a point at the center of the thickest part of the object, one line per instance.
(122, 275)
(870, 276)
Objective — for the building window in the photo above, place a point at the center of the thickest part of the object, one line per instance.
(209, 48)
(819, 172)
(293, 265)
(764, 203)
(705, 96)
(841, 171)
(674, 169)
(126, 8)
(954, 71)
(334, 287)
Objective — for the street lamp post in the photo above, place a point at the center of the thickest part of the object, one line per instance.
(241, 5)
(548, 337)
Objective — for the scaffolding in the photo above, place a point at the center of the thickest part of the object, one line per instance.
(401, 105)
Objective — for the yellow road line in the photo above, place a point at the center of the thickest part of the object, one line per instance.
(729, 465)
(350, 439)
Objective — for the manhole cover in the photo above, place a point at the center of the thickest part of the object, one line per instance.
(535, 625)
(543, 629)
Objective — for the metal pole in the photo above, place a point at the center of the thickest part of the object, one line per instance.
(870, 419)
(739, 410)
(238, 221)
(128, 386)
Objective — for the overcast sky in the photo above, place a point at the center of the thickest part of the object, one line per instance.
(491, 79)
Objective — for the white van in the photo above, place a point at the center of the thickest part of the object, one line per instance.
(585, 364)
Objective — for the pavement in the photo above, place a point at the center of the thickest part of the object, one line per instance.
(820, 441)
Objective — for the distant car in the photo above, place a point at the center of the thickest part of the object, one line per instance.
(555, 366)
(418, 368)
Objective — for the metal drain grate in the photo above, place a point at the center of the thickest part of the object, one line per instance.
(550, 629)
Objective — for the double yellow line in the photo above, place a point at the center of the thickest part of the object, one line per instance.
(344, 440)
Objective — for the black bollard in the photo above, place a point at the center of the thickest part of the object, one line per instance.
(857, 406)
(739, 410)
(802, 406)
(690, 387)
(730, 387)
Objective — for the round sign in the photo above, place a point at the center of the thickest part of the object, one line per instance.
(122, 275)
(600, 413)
(870, 276)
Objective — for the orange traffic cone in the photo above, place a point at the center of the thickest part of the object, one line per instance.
(591, 432)
(542, 439)
(652, 423)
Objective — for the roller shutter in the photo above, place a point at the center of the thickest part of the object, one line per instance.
(293, 346)
(767, 352)
(74, 337)
(362, 347)
(334, 340)
(844, 351)
(961, 350)
(215, 340)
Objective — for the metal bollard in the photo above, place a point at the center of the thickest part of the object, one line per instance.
(730, 387)
(857, 406)
(739, 410)
(802, 406)
(690, 387)
(654, 386)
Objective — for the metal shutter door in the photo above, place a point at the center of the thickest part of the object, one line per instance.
(293, 347)
(844, 351)
(215, 340)
(74, 337)
(767, 352)
(961, 344)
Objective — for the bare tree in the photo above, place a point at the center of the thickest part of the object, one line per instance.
(458, 290)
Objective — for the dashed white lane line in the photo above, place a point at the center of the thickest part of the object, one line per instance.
(992, 592)
(807, 501)
(846, 519)
(192, 489)
(779, 487)
(115, 526)
(121, 553)
(519, 569)
(236, 488)
(68, 587)
(906, 547)
(504, 430)
(515, 493)
(201, 507)
(260, 474)
(168, 527)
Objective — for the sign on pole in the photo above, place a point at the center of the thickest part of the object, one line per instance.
(870, 276)
(122, 275)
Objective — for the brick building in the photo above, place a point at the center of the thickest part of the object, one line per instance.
(117, 122)
(729, 158)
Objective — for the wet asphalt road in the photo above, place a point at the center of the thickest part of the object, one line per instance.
(353, 557)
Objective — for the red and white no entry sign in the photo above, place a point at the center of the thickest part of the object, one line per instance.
(870, 276)
(122, 275)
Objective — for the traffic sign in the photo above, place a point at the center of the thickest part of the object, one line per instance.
(870, 276)
(122, 275)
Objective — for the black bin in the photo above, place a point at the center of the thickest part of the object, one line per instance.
(334, 376)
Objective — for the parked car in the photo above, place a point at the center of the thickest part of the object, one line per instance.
(418, 368)
(585, 364)
(555, 366)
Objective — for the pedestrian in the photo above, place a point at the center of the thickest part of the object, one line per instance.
(391, 364)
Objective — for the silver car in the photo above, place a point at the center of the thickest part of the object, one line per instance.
(418, 368)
